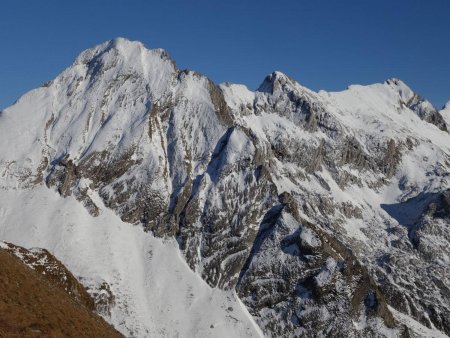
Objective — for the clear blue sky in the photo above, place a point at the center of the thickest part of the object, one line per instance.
(322, 44)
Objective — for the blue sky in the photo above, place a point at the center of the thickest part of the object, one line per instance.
(322, 44)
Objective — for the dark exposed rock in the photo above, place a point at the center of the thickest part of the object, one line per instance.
(391, 159)
(224, 240)
(104, 299)
(426, 112)
(353, 154)
(221, 107)
(300, 299)
(286, 100)
(315, 163)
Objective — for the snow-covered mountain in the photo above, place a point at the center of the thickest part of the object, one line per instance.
(194, 209)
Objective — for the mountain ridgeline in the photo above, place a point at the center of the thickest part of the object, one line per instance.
(327, 213)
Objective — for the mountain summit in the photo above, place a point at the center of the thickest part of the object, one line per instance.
(304, 213)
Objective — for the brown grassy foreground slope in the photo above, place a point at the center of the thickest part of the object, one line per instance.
(33, 305)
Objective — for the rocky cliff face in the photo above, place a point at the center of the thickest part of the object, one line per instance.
(322, 210)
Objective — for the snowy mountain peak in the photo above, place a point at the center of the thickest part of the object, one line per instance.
(406, 94)
(396, 82)
(125, 56)
(394, 92)
(124, 44)
(275, 81)
(119, 45)
(401, 88)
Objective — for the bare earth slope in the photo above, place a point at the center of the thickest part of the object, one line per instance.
(32, 304)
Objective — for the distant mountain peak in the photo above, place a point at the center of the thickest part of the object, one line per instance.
(273, 81)
(132, 53)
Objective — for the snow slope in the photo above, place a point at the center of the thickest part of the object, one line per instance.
(156, 293)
